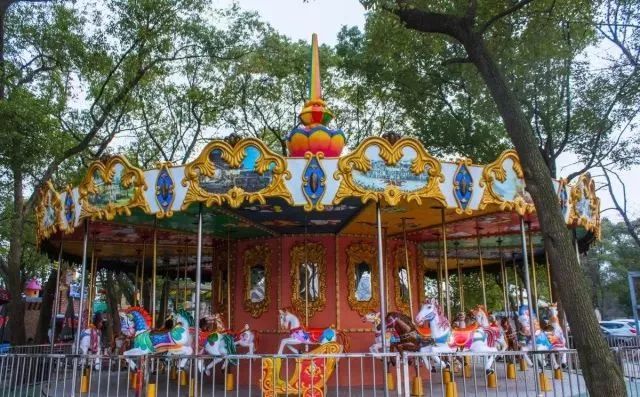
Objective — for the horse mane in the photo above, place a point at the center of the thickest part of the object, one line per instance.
(443, 320)
(142, 312)
(183, 313)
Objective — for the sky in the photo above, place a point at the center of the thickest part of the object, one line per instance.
(299, 19)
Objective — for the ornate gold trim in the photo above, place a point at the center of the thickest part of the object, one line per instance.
(391, 154)
(309, 206)
(460, 163)
(496, 171)
(165, 165)
(314, 253)
(585, 187)
(132, 177)
(219, 265)
(258, 255)
(233, 156)
(48, 197)
(399, 261)
(356, 254)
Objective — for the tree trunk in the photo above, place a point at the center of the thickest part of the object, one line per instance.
(46, 309)
(112, 302)
(602, 374)
(4, 5)
(16, 307)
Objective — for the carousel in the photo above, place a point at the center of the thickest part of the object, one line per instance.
(312, 249)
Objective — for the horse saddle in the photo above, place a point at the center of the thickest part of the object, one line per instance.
(462, 336)
(315, 334)
(424, 332)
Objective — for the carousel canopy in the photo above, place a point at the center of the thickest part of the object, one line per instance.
(247, 191)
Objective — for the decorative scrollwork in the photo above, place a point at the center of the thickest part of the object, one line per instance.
(378, 170)
(247, 171)
(505, 187)
(165, 191)
(68, 217)
(48, 212)
(314, 182)
(112, 187)
(463, 186)
(312, 254)
(257, 256)
(359, 253)
(585, 205)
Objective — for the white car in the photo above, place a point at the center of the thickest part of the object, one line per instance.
(619, 327)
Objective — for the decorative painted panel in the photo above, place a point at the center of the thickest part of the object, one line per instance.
(246, 171)
(362, 278)
(585, 208)
(463, 186)
(379, 170)
(165, 191)
(308, 277)
(48, 212)
(504, 185)
(401, 278)
(314, 181)
(257, 265)
(68, 211)
(112, 187)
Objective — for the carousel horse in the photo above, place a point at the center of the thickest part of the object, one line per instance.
(447, 340)
(90, 339)
(390, 337)
(556, 335)
(484, 320)
(511, 336)
(409, 336)
(300, 335)
(136, 322)
(540, 339)
(244, 337)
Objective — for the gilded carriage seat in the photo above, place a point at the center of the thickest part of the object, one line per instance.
(312, 134)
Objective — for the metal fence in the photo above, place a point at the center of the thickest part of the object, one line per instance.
(447, 375)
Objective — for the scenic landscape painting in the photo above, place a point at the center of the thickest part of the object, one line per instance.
(113, 192)
(224, 178)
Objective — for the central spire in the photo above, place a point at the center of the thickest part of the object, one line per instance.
(315, 110)
(313, 135)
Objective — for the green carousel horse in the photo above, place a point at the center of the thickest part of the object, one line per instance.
(136, 323)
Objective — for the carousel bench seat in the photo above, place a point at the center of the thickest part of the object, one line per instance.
(308, 378)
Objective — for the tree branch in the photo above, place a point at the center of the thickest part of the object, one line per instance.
(503, 14)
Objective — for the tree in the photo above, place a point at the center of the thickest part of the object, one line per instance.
(470, 28)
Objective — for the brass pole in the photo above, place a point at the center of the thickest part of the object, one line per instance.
(446, 265)
(505, 279)
(92, 282)
(154, 272)
(306, 276)
(533, 269)
(406, 259)
(439, 272)
(136, 284)
(144, 252)
(460, 287)
(383, 305)
(177, 283)
(54, 312)
(515, 279)
(386, 278)
(484, 291)
(186, 263)
(229, 280)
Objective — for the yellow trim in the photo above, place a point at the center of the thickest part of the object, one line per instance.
(460, 163)
(356, 254)
(48, 197)
(585, 187)
(166, 165)
(314, 253)
(132, 177)
(391, 154)
(233, 156)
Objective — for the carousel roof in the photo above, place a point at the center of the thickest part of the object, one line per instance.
(247, 190)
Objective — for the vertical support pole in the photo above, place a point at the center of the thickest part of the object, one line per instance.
(505, 280)
(186, 263)
(136, 293)
(515, 278)
(546, 259)
(484, 290)
(54, 312)
(306, 279)
(229, 281)
(92, 282)
(527, 282)
(383, 301)
(406, 260)
(144, 253)
(154, 272)
(85, 243)
(198, 280)
(439, 273)
(446, 265)
(460, 286)
(533, 268)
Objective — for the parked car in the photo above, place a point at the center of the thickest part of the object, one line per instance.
(619, 328)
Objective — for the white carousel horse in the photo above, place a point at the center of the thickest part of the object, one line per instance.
(482, 318)
(448, 340)
(556, 336)
(300, 335)
(135, 323)
(375, 320)
(90, 342)
(245, 337)
(542, 342)
(222, 342)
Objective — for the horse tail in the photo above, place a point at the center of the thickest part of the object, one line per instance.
(256, 340)
(344, 340)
